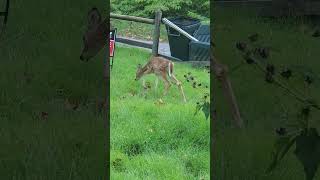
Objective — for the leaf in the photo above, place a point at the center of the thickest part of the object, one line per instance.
(206, 109)
(198, 107)
(281, 147)
(307, 151)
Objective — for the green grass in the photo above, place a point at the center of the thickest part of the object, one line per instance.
(245, 154)
(39, 70)
(151, 140)
(138, 30)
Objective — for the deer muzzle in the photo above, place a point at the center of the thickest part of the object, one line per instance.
(82, 58)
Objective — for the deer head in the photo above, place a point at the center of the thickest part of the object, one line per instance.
(95, 37)
(139, 72)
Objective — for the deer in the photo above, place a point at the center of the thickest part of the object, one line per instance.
(95, 37)
(163, 69)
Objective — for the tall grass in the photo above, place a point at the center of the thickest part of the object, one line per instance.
(40, 69)
(150, 140)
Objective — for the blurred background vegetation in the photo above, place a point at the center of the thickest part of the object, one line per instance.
(146, 8)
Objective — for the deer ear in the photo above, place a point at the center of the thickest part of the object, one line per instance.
(94, 18)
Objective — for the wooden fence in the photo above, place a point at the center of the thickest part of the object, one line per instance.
(156, 34)
(5, 13)
(5, 18)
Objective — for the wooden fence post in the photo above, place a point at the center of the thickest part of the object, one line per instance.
(156, 34)
(106, 111)
(220, 72)
(7, 11)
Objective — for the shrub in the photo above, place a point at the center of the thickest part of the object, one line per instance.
(146, 8)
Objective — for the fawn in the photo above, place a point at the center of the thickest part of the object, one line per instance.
(163, 69)
(95, 37)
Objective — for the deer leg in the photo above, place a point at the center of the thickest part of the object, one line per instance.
(144, 87)
(156, 84)
(156, 81)
(179, 84)
(166, 84)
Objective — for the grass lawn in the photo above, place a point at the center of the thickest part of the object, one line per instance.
(41, 79)
(151, 140)
(245, 154)
(51, 126)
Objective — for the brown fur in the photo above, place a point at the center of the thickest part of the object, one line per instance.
(96, 35)
(159, 66)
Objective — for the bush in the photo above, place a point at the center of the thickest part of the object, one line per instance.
(146, 8)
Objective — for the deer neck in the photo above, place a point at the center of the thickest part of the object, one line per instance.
(104, 26)
(145, 70)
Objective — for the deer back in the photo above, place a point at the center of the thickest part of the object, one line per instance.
(159, 64)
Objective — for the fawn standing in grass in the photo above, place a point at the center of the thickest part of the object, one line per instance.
(95, 37)
(162, 68)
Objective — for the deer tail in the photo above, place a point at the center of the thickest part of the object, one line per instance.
(170, 69)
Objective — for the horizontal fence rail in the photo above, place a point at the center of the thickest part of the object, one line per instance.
(132, 18)
(134, 42)
(6, 12)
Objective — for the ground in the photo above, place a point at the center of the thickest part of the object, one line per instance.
(51, 126)
(151, 140)
(41, 80)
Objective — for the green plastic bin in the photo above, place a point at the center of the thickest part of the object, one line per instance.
(179, 44)
(200, 51)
